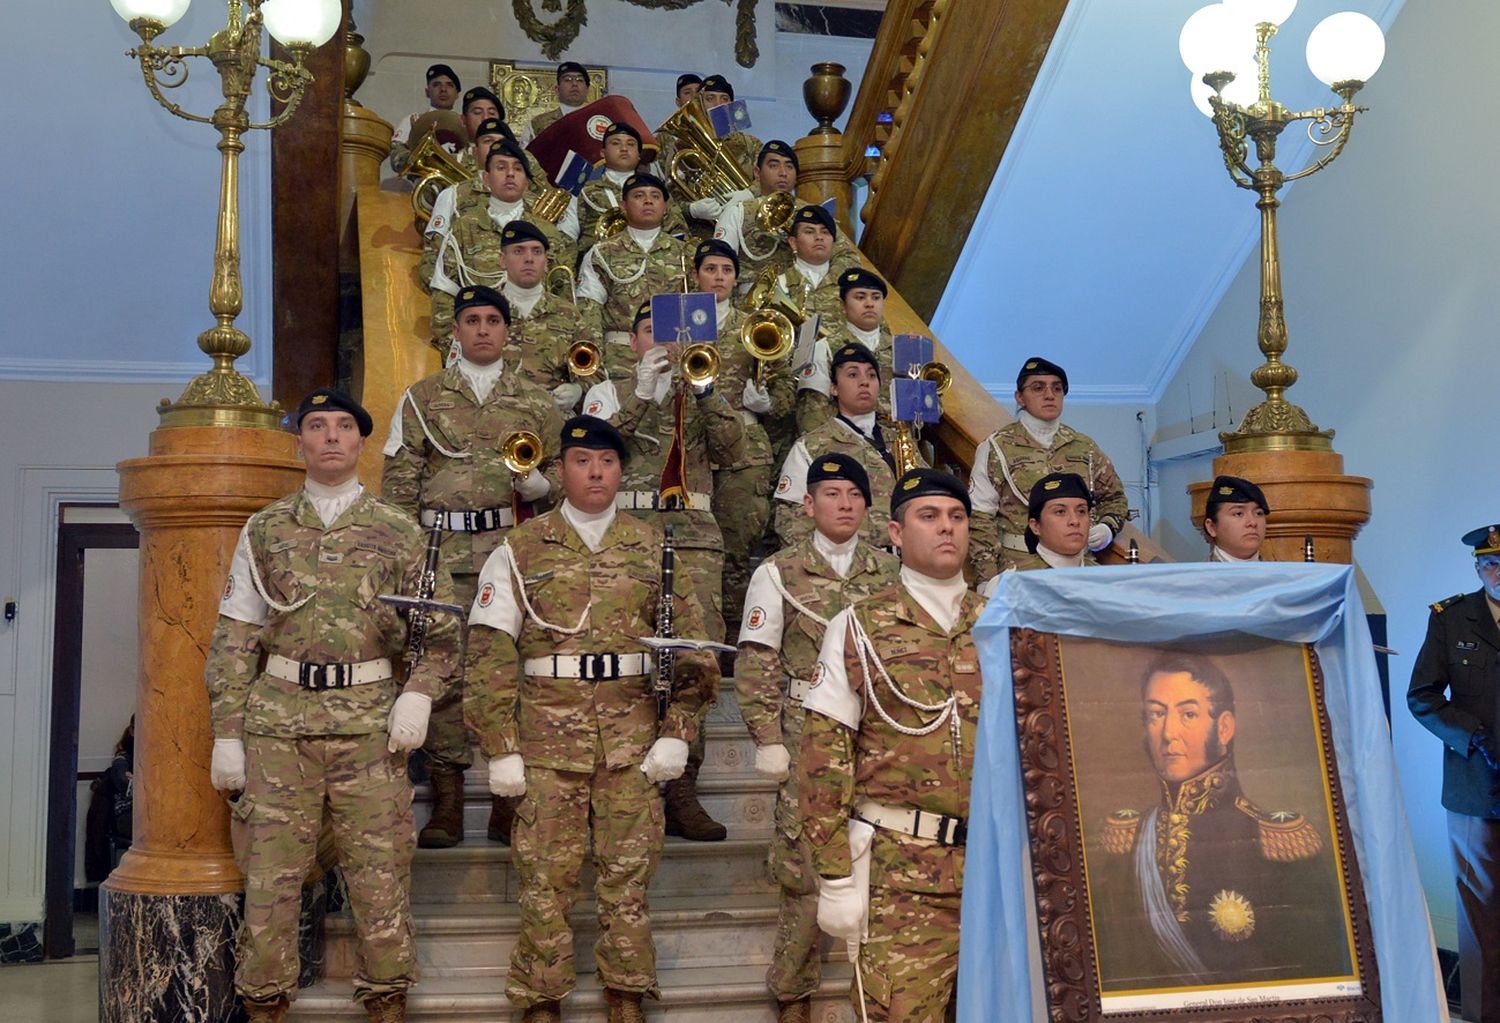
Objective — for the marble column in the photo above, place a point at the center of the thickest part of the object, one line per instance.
(169, 911)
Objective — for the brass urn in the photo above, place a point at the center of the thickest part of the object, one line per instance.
(826, 94)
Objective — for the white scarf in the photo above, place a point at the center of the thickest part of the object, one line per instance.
(1056, 560)
(481, 378)
(1220, 554)
(840, 556)
(869, 338)
(522, 300)
(813, 274)
(941, 598)
(502, 212)
(645, 237)
(721, 311)
(1041, 431)
(590, 526)
(332, 501)
(616, 177)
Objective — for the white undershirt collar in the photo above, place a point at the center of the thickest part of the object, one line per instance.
(522, 300)
(1220, 554)
(815, 274)
(645, 237)
(941, 598)
(481, 378)
(869, 338)
(1041, 431)
(722, 308)
(590, 526)
(332, 501)
(503, 212)
(615, 177)
(840, 556)
(1056, 560)
(865, 421)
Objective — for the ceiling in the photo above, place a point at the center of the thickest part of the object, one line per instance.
(1111, 229)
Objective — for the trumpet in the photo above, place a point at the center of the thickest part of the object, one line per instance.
(699, 364)
(768, 335)
(585, 359)
(521, 452)
(940, 374)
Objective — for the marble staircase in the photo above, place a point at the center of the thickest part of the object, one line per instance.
(713, 916)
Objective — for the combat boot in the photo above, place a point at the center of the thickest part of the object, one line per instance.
(446, 827)
(542, 1012)
(799, 1011)
(272, 1010)
(686, 817)
(624, 1006)
(387, 1008)
(502, 818)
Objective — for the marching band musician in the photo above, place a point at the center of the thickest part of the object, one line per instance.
(543, 325)
(862, 293)
(623, 156)
(1234, 520)
(441, 90)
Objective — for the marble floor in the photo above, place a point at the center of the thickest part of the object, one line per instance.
(65, 991)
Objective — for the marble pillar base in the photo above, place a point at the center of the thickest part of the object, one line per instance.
(167, 958)
(20, 943)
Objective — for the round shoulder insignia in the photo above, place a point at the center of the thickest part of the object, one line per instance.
(229, 588)
(784, 485)
(817, 675)
(756, 618)
(487, 595)
(594, 407)
(1232, 916)
(807, 370)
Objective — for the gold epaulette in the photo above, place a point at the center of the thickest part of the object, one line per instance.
(1444, 605)
(1119, 831)
(1284, 836)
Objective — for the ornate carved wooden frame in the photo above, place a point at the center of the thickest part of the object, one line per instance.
(1061, 887)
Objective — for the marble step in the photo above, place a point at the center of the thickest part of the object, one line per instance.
(479, 871)
(720, 994)
(689, 932)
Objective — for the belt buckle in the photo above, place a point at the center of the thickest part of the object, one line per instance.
(482, 521)
(672, 503)
(315, 676)
(952, 831)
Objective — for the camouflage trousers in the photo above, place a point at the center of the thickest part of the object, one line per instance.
(447, 744)
(910, 960)
(290, 783)
(742, 504)
(796, 961)
(553, 825)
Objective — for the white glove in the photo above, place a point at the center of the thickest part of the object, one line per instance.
(841, 907)
(756, 399)
(227, 768)
(408, 722)
(567, 395)
(773, 761)
(534, 487)
(666, 760)
(1100, 537)
(508, 775)
(648, 372)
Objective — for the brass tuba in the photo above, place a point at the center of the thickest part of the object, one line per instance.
(585, 359)
(433, 169)
(775, 213)
(700, 167)
(766, 293)
(521, 452)
(768, 335)
(699, 364)
(610, 223)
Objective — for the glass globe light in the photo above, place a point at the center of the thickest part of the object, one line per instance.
(165, 13)
(1345, 47)
(309, 23)
(1258, 11)
(1215, 38)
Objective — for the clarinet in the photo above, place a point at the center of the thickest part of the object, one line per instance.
(665, 659)
(419, 619)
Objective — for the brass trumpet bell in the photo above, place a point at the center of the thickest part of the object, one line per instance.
(699, 364)
(585, 359)
(775, 214)
(940, 374)
(521, 452)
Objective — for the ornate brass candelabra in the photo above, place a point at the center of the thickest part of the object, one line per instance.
(1274, 424)
(223, 396)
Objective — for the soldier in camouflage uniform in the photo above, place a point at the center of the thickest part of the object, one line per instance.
(544, 326)
(563, 705)
(791, 598)
(712, 433)
(1057, 527)
(862, 293)
(812, 279)
(572, 95)
(885, 806)
(853, 431)
(740, 146)
(441, 89)
(742, 493)
(1009, 461)
(621, 272)
(623, 156)
(444, 465)
(308, 715)
(470, 253)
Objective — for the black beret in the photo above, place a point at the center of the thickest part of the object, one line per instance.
(1484, 540)
(688, 79)
(593, 432)
(854, 351)
(1234, 490)
(1053, 486)
(1036, 366)
(508, 147)
(780, 148)
(444, 69)
(479, 295)
(839, 467)
(326, 399)
(643, 179)
(494, 126)
(715, 247)
(478, 93)
(813, 214)
(523, 231)
(572, 65)
(922, 482)
(642, 312)
(718, 83)
(621, 128)
(859, 277)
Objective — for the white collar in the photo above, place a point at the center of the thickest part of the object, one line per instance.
(481, 378)
(1041, 431)
(332, 501)
(566, 109)
(516, 293)
(615, 177)
(941, 598)
(644, 237)
(838, 555)
(1056, 560)
(590, 526)
(722, 309)
(505, 212)
(864, 422)
(1220, 554)
(812, 273)
(870, 338)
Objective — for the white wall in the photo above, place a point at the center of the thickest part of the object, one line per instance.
(1389, 260)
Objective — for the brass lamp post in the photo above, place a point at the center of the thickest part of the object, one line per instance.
(1343, 51)
(223, 396)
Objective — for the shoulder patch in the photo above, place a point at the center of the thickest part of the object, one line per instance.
(1120, 827)
(1445, 604)
(1285, 836)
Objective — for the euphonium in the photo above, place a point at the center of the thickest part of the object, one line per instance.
(560, 281)
(610, 223)
(700, 167)
(940, 374)
(433, 169)
(552, 204)
(521, 452)
(768, 335)
(775, 214)
(699, 365)
(585, 359)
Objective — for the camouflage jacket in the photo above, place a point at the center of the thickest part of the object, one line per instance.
(814, 406)
(850, 754)
(1025, 561)
(761, 249)
(458, 199)
(779, 641)
(611, 596)
(441, 412)
(1007, 465)
(712, 433)
(541, 340)
(324, 583)
(601, 195)
(744, 149)
(834, 436)
(737, 365)
(629, 277)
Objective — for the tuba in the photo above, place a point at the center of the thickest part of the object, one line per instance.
(699, 365)
(585, 359)
(766, 293)
(700, 167)
(768, 335)
(433, 169)
(609, 224)
(521, 452)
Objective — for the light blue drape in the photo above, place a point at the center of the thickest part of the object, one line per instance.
(1298, 603)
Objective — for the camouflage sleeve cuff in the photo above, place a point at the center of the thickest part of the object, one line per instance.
(680, 723)
(832, 860)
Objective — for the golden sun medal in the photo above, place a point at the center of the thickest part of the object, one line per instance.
(1232, 916)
